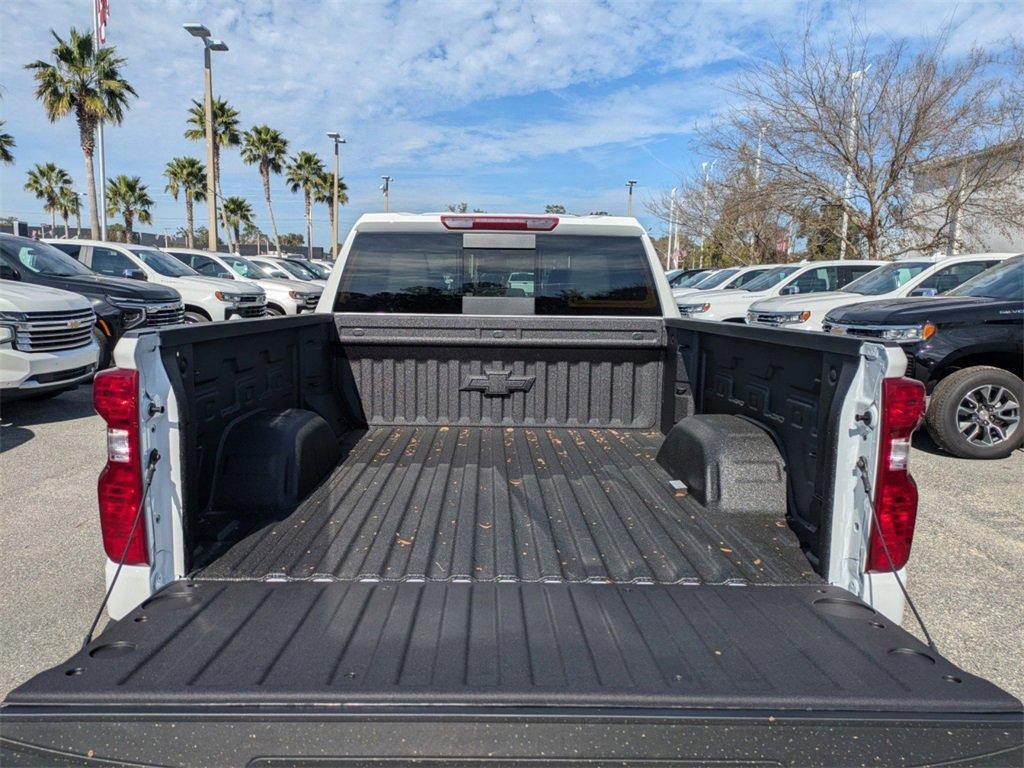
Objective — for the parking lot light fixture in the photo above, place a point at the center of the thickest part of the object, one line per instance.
(629, 205)
(386, 189)
(209, 44)
(338, 140)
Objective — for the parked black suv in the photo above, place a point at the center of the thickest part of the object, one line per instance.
(120, 304)
(967, 347)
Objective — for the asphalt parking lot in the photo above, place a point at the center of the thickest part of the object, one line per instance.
(966, 572)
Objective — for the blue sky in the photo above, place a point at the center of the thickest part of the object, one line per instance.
(506, 105)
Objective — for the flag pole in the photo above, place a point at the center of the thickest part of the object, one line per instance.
(99, 132)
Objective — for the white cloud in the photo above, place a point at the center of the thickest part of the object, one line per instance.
(420, 88)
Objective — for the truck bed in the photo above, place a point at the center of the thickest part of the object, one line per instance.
(511, 504)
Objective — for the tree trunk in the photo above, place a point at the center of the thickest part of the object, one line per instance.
(238, 233)
(53, 221)
(87, 138)
(67, 228)
(265, 173)
(309, 224)
(129, 218)
(189, 224)
(78, 222)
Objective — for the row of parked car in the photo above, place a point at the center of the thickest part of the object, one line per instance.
(959, 319)
(65, 303)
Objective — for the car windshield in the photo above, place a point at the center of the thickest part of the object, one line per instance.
(43, 259)
(770, 279)
(297, 271)
(692, 280)
(246, 268)
(166, 265)
(716, 279)
(886, 278)
(1005, 281)
(319, 272)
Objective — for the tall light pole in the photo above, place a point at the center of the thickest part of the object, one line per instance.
(386, 189)
(98, 23)
(706, 168)
(336, 137)
(629, 202)
(851, 148)
(209, 44)
(757, 181)
(670, 262)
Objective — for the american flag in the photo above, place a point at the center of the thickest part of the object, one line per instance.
(102, 14)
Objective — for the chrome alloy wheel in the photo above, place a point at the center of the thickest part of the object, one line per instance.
(988, 415)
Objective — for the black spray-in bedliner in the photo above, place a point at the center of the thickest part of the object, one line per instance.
(800, 648)
(524, 504)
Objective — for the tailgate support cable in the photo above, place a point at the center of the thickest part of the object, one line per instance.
(154, 457)
(863, 467)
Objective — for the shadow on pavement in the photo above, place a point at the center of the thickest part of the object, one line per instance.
(16, 416)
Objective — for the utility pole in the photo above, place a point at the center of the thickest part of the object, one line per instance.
(386, 189)
(757, 182)
(336, 137)
(851, 149)
(629, 203)
(706, 169)
(209, 45)
(670, 262)
(96, 23)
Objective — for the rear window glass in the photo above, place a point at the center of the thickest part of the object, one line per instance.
(432, 273)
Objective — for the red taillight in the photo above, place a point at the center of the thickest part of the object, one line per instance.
(115, 395)
(895, 490)
(504, 223)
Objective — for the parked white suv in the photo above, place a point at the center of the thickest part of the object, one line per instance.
(731, 305)
(284, 297)
(921, 276)
(205, 298)
(46, 341)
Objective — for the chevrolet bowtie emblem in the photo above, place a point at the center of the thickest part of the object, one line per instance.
(498, 383)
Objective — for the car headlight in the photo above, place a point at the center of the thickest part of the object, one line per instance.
(133, 317)
(6, 334)
(693, 309)
(779, 318)
(909, 332)
(302, 296)
(223, 296)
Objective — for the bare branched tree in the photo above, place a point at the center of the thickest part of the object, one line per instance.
(896, 122)
(734, 215)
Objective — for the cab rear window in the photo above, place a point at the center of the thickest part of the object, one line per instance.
(551, 275)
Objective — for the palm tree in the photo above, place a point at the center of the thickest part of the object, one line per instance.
(225, 134)
(128, 196)
(237, 211)
(304, 172)
(187, 176)
(6, 145)
(46, 181)
(266, 147)
(324, 193)
(68, 205)
(88, 83)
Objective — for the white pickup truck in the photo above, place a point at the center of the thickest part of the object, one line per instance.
(917, 276)
(449, 521)
(205, 298)
(46, 340)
